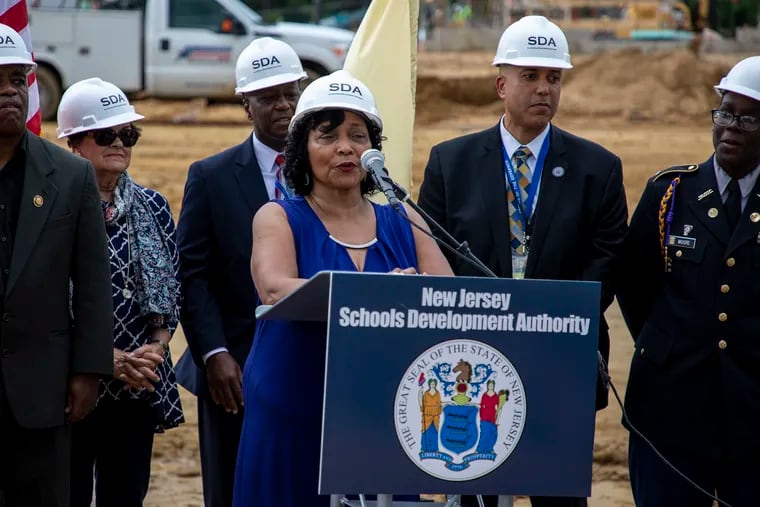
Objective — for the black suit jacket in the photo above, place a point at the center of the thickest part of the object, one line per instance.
(60, 237)
(578, 225)
(222, 194)
(694, 383)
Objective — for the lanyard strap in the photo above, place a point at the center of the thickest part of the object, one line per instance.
(282, 188)
(525, 209)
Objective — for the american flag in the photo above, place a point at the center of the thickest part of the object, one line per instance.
(13, 13)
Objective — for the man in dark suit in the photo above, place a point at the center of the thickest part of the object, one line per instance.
(222, 194)
(690, 298)
(532, 200)
(52, 237)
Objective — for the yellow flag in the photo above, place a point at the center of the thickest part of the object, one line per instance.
(383, 55)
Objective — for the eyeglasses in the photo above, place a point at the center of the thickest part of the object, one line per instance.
(106, 137)
(723, 118)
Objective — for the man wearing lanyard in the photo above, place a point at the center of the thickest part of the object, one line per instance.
(532, 200)
(222, 194)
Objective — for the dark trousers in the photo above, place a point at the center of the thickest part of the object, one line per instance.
(219, 435)
(654, 484)
(535, 501)
(114, 444)
(34, 463)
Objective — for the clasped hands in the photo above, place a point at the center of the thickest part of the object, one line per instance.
(137, 369)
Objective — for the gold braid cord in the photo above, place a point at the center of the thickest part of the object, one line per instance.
(661, 219)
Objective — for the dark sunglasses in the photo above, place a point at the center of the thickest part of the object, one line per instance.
(106, 137)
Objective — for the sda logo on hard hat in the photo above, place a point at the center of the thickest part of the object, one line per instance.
(265, 63)
(112, 100)
(345, 88)
(7, 40)
(539, 41)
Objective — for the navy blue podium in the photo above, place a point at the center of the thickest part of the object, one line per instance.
(453, 385)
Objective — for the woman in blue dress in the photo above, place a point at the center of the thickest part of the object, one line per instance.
(329, 225)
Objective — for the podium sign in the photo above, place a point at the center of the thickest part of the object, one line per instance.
(459, 385)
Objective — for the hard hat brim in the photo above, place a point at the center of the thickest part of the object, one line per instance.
(10, 60)
(532, 61)
(269, 82)
(341, 106)
(111, 121)
(724, 87)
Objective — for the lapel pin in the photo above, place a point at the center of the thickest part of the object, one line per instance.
(712, 212)
(755, 217)
(558, 172)
(38, 201)
(704, 194)
(687, 229)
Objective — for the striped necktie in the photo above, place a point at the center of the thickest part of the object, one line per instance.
(279, 162)
(523, 175)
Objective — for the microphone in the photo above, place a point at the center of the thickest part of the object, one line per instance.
(373, 161)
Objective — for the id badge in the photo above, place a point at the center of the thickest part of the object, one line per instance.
(518, 266)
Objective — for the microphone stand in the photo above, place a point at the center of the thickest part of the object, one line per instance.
(461, 247)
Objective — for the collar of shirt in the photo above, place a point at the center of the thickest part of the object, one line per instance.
(746, 182)
(511, 144)
(265, 155)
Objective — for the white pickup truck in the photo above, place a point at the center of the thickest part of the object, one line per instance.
(162, 48)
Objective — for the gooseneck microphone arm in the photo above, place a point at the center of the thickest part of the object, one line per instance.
(462, 249)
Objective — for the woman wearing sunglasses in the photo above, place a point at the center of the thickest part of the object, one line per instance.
(142, 398)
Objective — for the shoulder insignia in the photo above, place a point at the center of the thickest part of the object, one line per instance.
(676, 170)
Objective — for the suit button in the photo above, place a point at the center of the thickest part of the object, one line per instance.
(730, 262)
(6, 317)
(641, 351)
(725, 288)
(723, 317)
(679, 253)
(4, 352)
(722, 344)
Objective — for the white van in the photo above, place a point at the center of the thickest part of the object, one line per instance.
(164, 48)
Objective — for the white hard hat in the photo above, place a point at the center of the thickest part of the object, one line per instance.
(13, 50)
(264, 63)
(339, 90)
(743, 78)
(533, 41)
(93, 104)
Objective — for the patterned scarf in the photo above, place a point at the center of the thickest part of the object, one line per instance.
(156, 283)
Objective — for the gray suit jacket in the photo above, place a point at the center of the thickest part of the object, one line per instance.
(60, 238)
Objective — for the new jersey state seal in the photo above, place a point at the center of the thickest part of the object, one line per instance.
(460, 410)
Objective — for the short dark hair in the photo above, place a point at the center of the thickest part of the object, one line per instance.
(297, 165)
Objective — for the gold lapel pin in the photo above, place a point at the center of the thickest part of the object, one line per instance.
(712, 212)
(38, 201)
(755, 216)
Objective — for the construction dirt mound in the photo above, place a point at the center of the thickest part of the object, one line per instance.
(629, 85)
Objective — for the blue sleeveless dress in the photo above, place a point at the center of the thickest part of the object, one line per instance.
(283, 378)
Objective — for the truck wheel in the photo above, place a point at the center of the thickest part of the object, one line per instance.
(50, 92)
(313, 71)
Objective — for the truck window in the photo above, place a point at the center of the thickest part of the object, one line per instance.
(206, 14)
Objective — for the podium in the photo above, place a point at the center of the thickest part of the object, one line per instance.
(453, 385)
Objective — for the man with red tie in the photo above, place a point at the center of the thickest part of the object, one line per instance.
(222, 194)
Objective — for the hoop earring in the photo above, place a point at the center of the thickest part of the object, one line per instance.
(306, 179)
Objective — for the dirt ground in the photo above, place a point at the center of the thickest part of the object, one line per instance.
(652, 110)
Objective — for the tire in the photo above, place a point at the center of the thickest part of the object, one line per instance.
(313, 71)
(50, 92)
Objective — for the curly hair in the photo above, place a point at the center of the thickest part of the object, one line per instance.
(298, 170)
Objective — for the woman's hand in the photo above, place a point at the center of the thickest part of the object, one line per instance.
(137, 371)
(405, 271)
